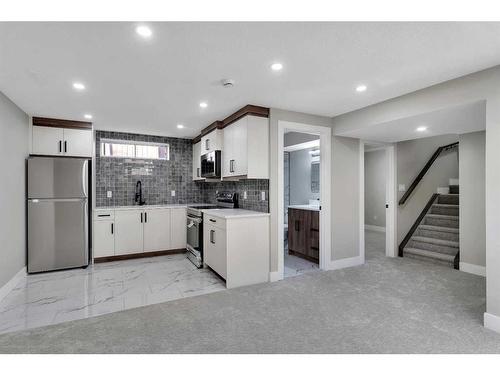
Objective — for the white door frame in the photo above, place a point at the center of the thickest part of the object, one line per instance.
(325, 244)
(391, 239)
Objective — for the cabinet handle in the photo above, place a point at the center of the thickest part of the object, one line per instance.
(207, 144)
(213, 221)
(60, 146)
(145, 217)
(104, 215)
(297, 225)
(112, 228)
(231, 165)
(141, 217)
(212, 236)
(197, 172)
(65, 146)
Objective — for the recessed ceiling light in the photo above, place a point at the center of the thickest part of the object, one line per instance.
(78, 86)
(144, 31)
(277, 66)
(180, 126)
(421, 128)
(203, 105)
(361, 88)
(88, 116)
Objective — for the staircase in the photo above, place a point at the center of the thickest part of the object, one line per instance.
(434, 236)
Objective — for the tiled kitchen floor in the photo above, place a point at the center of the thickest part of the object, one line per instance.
(297, 266)
(57, 297)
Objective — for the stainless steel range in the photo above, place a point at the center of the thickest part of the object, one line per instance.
(195, 224)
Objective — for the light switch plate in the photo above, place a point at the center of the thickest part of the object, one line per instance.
(262, 195)
(109, 194)
(172, 193)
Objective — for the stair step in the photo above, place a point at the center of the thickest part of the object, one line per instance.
(445, 259)
(449, 221)
(442, 233)
(448, 199)
(436, 241)
(442, 249)
(438, 228)
(454, 189)
(444, 209)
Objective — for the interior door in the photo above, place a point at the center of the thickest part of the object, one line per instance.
(157, 234)
(77, 142)
(128, 232)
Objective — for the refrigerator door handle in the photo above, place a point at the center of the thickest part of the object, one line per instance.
(85, 177)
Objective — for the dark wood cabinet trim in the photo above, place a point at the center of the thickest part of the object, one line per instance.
(252, 110)
(59, 123)
(138, 255)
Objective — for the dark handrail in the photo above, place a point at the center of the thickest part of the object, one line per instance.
(424, 171)
(416, 224)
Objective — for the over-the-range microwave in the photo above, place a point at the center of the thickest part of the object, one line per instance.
(211, 165)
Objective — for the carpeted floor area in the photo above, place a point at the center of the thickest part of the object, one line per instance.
(385, 306)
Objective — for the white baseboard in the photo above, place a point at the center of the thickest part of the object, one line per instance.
(274, 276)
(472, 268)
(11, 284)
(374, 228)
(346, 262)
(492, 322)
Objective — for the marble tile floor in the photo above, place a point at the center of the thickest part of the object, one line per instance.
(56, 297)
(295, 266)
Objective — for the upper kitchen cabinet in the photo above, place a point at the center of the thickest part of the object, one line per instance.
(211, 141)
(246, 148)
(197, 161)
(61, 137)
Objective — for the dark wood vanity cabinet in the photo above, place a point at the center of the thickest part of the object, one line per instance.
(303, 234)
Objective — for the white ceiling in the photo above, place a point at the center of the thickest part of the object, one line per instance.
(151, 86)
(461, 119)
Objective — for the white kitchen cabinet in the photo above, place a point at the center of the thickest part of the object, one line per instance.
(156, 230)
(197, 162)
(246, 148)
(211, 141)
(214, 248)
(47, 140)
(237, 248)
(128, 231)
(78, 142)
(178, 228)
(104, 238)
(56, 141)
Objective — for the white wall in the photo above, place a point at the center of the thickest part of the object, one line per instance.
(483, 85)
(411, 158)
(13, 152)
(375, 181)
(472, 199)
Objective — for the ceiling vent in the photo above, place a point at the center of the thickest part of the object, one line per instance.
(227, 82)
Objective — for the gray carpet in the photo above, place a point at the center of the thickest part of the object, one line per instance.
(384, 306)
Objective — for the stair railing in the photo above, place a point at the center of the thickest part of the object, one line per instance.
(424, 170)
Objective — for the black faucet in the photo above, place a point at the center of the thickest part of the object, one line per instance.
(138, 194)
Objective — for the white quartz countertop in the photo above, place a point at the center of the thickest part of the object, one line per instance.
(145, 207)
(230, 213)
(309, 207)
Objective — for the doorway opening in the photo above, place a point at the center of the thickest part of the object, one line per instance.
(304, 235)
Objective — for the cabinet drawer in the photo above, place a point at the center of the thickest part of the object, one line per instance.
(215, 221)
(104, 215)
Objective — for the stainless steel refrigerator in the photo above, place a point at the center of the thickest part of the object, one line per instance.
(58, 213)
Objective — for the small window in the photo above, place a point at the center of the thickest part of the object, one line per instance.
(114, 148)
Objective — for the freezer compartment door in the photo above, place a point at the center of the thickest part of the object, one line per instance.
(57, 234)
(57, 177)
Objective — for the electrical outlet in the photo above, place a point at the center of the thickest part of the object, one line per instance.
(172, 193)
(262, 195)
(245, 196)
(109, 194)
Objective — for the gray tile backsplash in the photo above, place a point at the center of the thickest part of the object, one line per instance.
(160, 177)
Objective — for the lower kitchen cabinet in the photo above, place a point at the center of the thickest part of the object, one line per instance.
(237, 248)
(138, 230)
(104, 238)
(303, 233)
(157, 229)
(129, 231)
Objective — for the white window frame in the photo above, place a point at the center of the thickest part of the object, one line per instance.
(132, 143)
